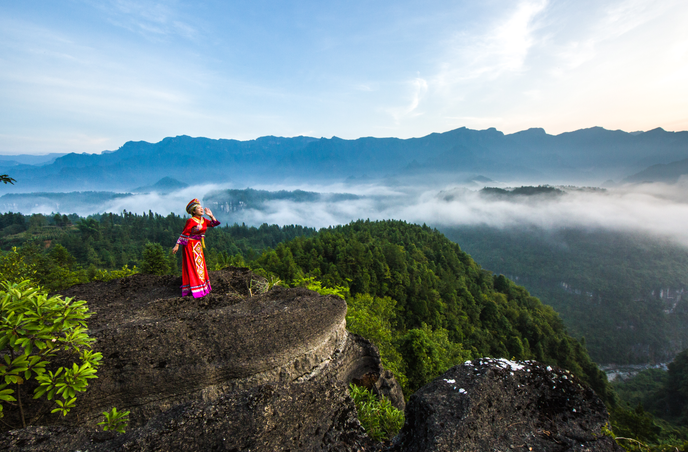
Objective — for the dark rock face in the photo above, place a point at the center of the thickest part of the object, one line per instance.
(313, 416)
(496, 404)
(228, 371)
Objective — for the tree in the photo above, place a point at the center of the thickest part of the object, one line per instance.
(677, 386)
(34, 328)
(422, 356)
(154, 260)
(4, 178)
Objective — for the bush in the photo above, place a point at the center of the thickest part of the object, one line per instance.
(377, 416)
(14, 269)
(34, 328)
(372, 318)
(114, 420)
(109, 275)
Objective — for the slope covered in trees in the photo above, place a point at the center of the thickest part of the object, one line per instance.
(433, 302)
(424, 302)
(622, 291)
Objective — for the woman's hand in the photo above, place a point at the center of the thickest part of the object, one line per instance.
(175, 249)
(210, 213)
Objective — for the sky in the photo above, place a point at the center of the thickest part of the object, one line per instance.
(90, 75)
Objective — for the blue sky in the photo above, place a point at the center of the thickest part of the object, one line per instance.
(87, 76)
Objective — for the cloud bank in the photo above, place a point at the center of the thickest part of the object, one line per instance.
(657, 209)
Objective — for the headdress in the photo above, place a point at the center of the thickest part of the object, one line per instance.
(192, 205)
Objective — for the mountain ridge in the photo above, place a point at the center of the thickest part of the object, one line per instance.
(587, 155)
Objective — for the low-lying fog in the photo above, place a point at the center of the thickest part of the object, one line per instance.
(654, 208)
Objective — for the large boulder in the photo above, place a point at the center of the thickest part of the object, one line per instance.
(497, 404)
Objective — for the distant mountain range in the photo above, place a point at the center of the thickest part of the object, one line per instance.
(588, 156)
(27, 159)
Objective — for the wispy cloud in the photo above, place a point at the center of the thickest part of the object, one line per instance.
(605, 22)
(502, 49)
(417, 88)
(152, 19)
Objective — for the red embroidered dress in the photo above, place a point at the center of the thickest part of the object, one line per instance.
(194, 272)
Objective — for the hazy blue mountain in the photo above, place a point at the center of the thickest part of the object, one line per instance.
(588, 155)
(668, 173)
(164, 185)
(28, 159)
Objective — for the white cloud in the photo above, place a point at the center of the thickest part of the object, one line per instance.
(152, 19)
(502, 49)
(418, 89)
(656, 209)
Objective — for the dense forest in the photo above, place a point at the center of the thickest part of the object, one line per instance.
(441, 304)
(621, 291)
(418, 296)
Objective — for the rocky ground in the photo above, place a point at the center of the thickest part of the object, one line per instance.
(241, 370)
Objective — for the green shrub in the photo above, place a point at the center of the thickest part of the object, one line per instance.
(14, 269)
(313, 284)
(377, 416)
(34, 328)
(372, 318)
(109, 275)
(114, 420)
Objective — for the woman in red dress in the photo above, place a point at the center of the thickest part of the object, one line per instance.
(194, 272)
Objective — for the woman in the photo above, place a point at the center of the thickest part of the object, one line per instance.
(194, 272)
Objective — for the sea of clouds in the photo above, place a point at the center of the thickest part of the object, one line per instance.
(657, 209)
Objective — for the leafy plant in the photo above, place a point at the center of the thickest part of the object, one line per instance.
(13, 267)
(313, 284)
(4, 178)
(379, 418)
(114, 420)
(372, 318)
(109, 275)
(33, 328)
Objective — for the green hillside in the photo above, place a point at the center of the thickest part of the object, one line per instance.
(436, 302)
(621, 291)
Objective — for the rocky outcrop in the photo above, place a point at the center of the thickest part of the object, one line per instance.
(496, 404)
(228, 370)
